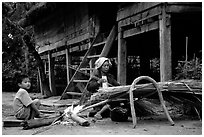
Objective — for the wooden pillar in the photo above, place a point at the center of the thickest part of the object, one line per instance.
(122, 58)
(165, 46)
(51, 74)
(45, 65)
(40, 82)
(92, 61)
(68, 62)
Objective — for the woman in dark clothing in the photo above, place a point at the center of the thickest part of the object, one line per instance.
(103, 80)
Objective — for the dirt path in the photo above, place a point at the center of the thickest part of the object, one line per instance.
(146, 126)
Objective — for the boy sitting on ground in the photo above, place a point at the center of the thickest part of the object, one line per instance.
(24, 107)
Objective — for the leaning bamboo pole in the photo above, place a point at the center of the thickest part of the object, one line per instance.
(132, 88)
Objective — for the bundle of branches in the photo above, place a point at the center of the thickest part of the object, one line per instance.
(185, 92)
(190, 104)
(108, 93)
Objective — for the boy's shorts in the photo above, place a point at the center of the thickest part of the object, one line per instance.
(24, 113)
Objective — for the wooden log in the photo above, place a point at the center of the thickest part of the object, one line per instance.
(11, 122)
(79, 120)
(34, 123)
(122, 58)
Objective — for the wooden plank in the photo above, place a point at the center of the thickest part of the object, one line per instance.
(59, 53)
(139, 30)
(51, 74)
(184, 7)
(47, 111)
(100, 43)
(135, 9)
(140, 16)
(122, 59)
(11, 122)
(68, 62)
(165, 47)
(83, 81)
(78, 39)
(63, 42)
(74, 93)
(93, 56)
(51, 46)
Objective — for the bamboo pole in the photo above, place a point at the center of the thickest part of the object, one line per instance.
(132, 88)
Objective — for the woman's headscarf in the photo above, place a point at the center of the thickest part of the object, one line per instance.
(99, 62)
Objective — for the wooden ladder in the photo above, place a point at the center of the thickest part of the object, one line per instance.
(88, 59)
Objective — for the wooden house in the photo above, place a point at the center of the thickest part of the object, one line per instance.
(65, 31)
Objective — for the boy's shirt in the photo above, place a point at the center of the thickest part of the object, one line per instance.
(22, 99)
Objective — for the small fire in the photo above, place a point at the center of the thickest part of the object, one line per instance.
(73, 110)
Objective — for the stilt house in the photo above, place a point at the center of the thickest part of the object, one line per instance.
(71, 36)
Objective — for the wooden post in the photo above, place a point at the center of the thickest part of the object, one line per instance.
(165, 46)
(45, 65)
(68, 62)
(92, 61)
(186, 49)
(51, 73)
(40, 82)
(122, 58)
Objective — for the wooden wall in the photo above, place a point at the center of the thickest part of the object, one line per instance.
(68, 25)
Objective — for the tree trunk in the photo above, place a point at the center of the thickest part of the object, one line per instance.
(31, 48)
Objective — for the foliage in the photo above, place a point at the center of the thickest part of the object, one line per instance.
(15, 56)
(189, 70)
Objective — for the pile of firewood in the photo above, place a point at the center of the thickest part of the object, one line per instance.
(186, 93)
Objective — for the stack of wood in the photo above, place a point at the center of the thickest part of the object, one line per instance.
(185, 92)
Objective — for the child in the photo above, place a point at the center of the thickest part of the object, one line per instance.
(24, 107)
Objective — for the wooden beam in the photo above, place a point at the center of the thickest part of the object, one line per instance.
(122, 58)
(51, 74)
(138, 30)
(59, 53)
(141, 16)
(184, 7)
(40, 83)
(61, 43)
(135, 9)
(165, 46)
(68, 62)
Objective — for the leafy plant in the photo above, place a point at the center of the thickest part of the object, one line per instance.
(189, 70)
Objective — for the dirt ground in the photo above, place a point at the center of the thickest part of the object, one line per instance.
(155, 125)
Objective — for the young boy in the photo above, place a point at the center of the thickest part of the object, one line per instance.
(24, 107)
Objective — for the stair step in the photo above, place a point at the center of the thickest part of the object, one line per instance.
(87, 68)
(98, 44)
(76, 80)
(93, 56)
